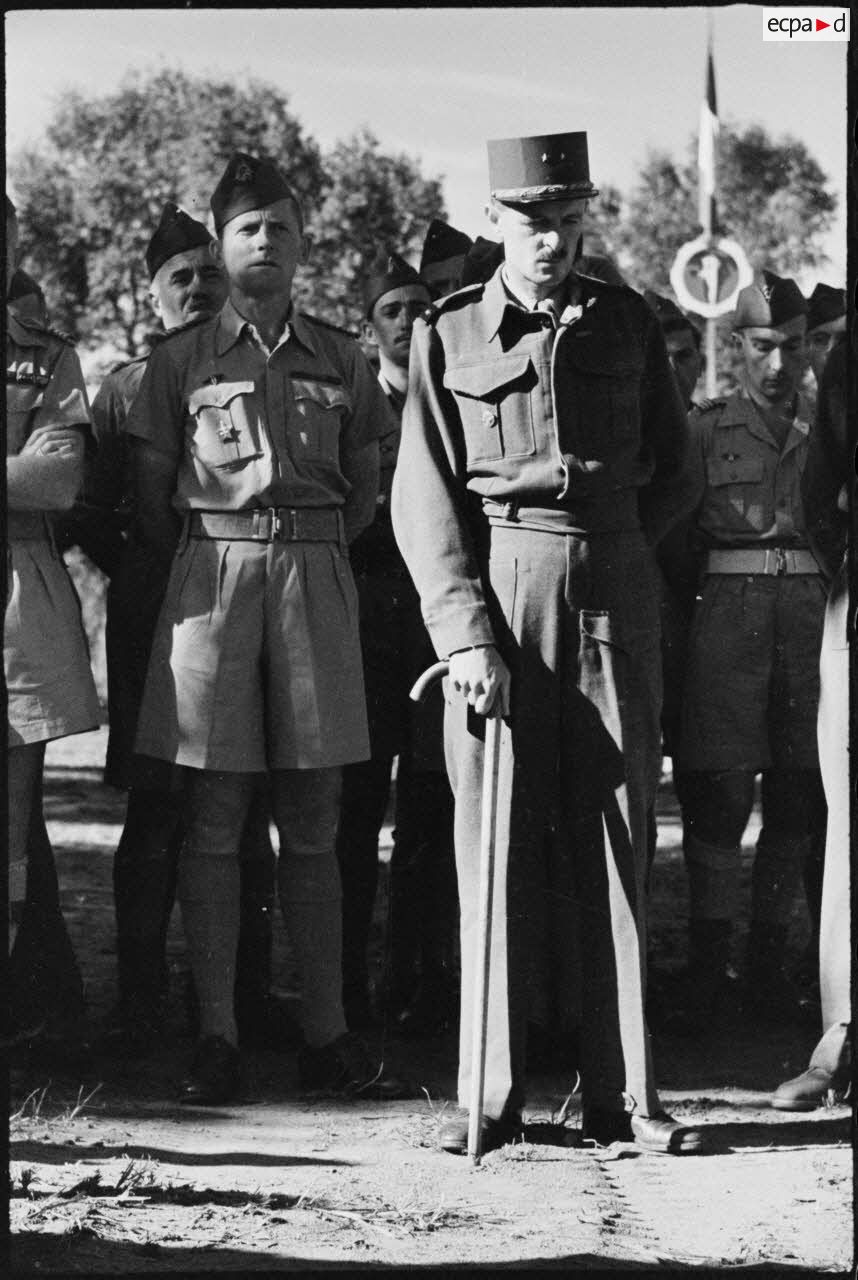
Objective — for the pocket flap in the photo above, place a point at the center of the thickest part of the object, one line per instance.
(217, 395)
(734, 471)
(330, 395)
(484, 380)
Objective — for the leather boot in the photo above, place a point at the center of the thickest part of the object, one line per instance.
(827, 1074)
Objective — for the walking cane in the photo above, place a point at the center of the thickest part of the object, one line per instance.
(491, 769)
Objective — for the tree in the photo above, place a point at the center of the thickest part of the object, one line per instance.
(370, 201)
(773, 198)
(91, 195)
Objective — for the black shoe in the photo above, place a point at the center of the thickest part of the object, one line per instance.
(267, 1022)
(659, 1133)
(494, 1132)
(827, 1077)
(214, 1074)
(344, 1066)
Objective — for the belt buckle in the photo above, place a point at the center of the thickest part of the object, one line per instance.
(781, 562)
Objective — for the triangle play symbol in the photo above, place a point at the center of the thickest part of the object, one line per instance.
(820, 24)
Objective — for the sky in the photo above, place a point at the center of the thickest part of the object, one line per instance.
(437, 82)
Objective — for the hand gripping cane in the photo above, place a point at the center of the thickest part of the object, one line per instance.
(491, 768)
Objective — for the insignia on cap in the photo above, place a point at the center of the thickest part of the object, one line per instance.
(243, 172)
(766, 290)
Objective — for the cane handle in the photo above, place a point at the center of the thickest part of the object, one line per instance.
(424, 683)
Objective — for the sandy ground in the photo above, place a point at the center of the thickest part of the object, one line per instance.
(109, 1175)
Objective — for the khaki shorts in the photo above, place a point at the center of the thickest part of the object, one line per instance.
(752, 681)
(45, 658)
(256, 662)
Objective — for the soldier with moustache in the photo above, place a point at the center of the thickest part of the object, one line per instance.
(256, 463)
(543, 454)
(752, 682)
(395, 650)
(187, 285)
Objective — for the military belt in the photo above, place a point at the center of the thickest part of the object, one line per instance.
(269, 524)
(775, 561)
(29, 525)
(623, 518)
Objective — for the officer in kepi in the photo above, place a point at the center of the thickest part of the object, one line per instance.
(543, 452)
(256, 462)
(752, 681)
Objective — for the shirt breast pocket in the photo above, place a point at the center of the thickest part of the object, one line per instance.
(224, 432)
(735, 486)
(605, 399)
(494, 401)
(322, 407)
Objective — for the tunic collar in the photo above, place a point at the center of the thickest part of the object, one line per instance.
(231, 325)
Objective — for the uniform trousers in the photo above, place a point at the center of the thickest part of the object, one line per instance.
(576, 619)
(833, 731)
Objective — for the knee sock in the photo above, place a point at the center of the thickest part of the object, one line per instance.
(208, 890)
(714, 876)
(777, 876)
(311, 901)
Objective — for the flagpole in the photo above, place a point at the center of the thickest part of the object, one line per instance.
(706, 194)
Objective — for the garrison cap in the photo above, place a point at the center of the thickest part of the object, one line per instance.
(11, 211)
(825, 305)
(551, 166)
(248, 182)
(387, 271)
(443, 242)
(669, 315)
(482, 261)
(769, 302)
(176, 232)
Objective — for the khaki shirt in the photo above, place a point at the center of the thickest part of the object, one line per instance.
(753, 486)
(44, 383)
(296, 426)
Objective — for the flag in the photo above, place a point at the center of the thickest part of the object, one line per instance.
(706, 149)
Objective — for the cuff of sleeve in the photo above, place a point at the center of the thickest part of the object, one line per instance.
(466, 628)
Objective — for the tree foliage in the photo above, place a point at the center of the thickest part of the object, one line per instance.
(90, 195)
(773, 198)
(369, 201)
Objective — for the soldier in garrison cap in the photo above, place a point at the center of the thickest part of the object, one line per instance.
(752, 683)
(256, 463)
(395, 650)
(26, 298)
(442, 261)
(50, 690)
(543, 453)
(829, 472)
(826, 318)
(187, 285)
